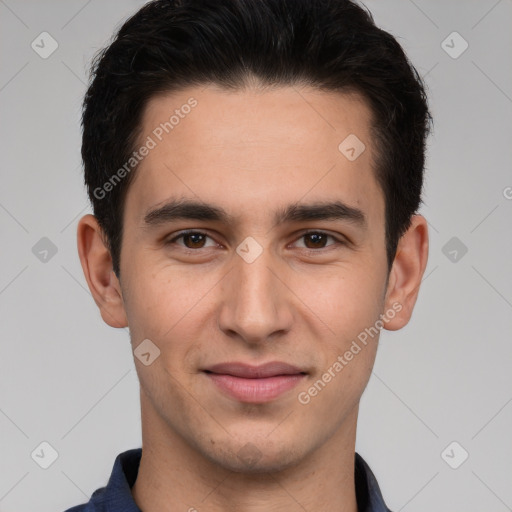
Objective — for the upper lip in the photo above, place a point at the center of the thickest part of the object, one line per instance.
(247, 371)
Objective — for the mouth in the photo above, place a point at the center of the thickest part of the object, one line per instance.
(255, 384)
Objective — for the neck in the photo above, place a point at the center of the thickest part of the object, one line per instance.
(175, 477)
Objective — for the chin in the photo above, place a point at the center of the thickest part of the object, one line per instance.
(256, 457)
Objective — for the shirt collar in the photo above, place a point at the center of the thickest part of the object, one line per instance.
(368, 495)
(117, 497)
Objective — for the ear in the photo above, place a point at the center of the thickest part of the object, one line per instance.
(97, 266)
(406, 274)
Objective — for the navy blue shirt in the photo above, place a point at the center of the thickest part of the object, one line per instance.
(117, 496)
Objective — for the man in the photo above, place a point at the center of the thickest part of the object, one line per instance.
(255, 169)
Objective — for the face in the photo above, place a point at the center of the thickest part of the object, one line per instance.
(257, 311)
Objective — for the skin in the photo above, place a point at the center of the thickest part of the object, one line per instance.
(252, 152)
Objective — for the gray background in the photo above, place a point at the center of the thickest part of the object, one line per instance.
(68, 379)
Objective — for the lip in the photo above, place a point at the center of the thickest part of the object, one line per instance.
(255, 384)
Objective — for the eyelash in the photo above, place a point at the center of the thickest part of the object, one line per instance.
(181, 234)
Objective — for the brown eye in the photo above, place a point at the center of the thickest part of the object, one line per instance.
(196, 240)
(191, 240)
(316, 240)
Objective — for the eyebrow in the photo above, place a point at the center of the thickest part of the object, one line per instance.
(179, 209)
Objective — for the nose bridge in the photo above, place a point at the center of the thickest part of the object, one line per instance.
(253, 305)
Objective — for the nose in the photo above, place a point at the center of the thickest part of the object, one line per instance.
(256, 305)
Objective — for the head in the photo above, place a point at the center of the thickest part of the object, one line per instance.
(275, 118)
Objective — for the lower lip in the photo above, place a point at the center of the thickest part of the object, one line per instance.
(255, 390)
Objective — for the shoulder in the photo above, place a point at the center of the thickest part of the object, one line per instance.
(116, 495)
(95, 504)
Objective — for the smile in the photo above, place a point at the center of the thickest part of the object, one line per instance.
(254, 384)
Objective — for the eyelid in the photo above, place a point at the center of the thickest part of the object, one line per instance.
(339, 240)
(184, 232)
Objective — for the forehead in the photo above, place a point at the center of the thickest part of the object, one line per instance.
(255, 148)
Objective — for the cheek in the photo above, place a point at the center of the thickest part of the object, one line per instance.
(349, 305)
(162, 307)
(345, 300)
(160, 300)
(166, 393)
(173, 309)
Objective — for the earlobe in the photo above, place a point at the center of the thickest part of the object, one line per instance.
(97, 267)
(406, 274)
